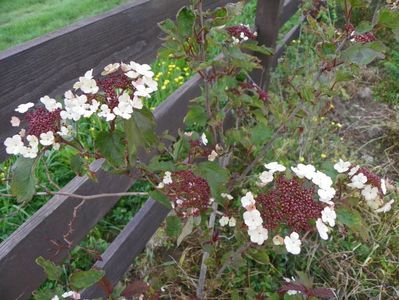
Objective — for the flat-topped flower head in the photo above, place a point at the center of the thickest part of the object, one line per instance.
(227, 196)
(258, 235)
(293, 243)
(189, 193)
(41, 121)
(342, 166)
(241, 33)
(232, 222)
(289, 203)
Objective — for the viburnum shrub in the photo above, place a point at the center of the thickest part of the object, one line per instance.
(222, 175)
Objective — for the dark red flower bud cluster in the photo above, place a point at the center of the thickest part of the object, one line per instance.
(349, 29)
(197, 149)
(289, 203)
(189, 193)
(360, 38)
(252, 86)
(365, 38)
(41, 120)
(238, 29)
(113, 81)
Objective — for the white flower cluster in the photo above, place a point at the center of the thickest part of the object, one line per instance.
(267, 176)
(369, 192)
(167, 179)
(225, 220)
(252, 218)
(69, 295)
(83, 106)
(325, 192)
(242, 37)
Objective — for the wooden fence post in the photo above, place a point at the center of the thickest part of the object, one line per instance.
(267, 25)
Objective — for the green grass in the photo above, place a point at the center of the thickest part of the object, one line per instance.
(23, 20)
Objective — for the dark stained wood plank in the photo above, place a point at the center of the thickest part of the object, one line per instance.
(289, 9)
(267, 25)
(50, 64)
(32, 239)
(133, 238)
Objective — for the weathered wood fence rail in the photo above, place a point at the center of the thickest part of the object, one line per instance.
(49, 65)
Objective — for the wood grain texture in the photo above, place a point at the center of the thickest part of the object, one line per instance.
(267, 24)
(50, 64)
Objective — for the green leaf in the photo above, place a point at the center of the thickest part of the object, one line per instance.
(343, 75)
(395, 32)
(160, 197)
(196, 116)
(215, 175)
(168, 26)
(361, 54)
(156, 164)
(52, 271)
(23, 179)
(353, 220)
(364, 27)
(186, 231)
(173, 226)
(388, 18)
(140, 132)
(111, 147)
(258, 255)
(253, 46)
(76, 164)
(185, 21)
(84, 279)
(260, 134)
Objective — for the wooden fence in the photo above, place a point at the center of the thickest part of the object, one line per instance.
(49, 65)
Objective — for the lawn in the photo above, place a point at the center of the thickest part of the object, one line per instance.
(23, 20)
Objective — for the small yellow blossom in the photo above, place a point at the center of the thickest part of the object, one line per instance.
(301, 159)
(322, 118)
(339, 125)
(333, 123)
(323, 155)
(332, 106)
